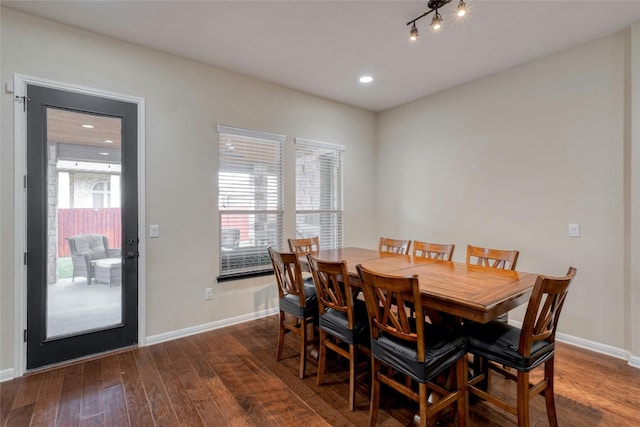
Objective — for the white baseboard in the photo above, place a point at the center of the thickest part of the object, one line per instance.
(607, 350)
(6, 375)
(597, 347)
(9, 374)
(181, 333)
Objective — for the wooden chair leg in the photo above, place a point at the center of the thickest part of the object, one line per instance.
(280, 336)
(422, 392)
(523, 399)
(322, 358)
(352, 377)
(549, 394)
(303, 347)
(375, 392)
(480, 365)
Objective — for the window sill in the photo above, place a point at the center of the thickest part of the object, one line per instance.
(239, 276)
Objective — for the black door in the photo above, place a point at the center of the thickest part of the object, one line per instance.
(82, 225)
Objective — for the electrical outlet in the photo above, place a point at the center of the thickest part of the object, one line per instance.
(574, 230)
(208, 293)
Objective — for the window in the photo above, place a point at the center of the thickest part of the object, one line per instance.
(101, 192)
(319, 192)
(249, 199)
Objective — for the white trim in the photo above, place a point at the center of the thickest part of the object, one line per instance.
(597, 347)
(605, 349)
(20, 82)
(142, 227)
(230, 130)
(6, 375)
(19, 230)
(181, 333)
(632, 278)
(317, 144)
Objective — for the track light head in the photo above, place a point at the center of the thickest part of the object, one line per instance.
(436, 22)
(462, 8)
(413, 33)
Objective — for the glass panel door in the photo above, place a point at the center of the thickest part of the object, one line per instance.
(81, 226)
(84, 264)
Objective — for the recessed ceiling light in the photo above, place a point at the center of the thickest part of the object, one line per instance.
(366, 79)
(108, 141)
(87, 126)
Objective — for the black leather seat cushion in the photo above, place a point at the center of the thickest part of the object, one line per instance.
(499, 341)
(442, 349)
(337, 324)
(291, 303)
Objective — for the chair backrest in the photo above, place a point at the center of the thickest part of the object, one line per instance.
(494, 258)
(230, 237)
(305, 245)
(433, 250)
(96, 245)
(286, 267)
(543, 312)
(387, 298)
(333, 289)
(394, 246)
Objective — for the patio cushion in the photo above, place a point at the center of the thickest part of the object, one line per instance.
(93, 244)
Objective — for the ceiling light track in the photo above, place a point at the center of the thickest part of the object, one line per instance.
(436, 21)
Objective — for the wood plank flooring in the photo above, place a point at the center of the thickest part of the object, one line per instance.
(229, 377)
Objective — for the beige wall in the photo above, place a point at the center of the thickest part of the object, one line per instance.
(509, 161)
(506, 161)
(184, 103)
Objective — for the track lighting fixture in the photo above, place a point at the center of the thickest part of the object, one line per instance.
(436, 21)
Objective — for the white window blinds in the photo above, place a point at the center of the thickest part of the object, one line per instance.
(319, 192)
(249, 199)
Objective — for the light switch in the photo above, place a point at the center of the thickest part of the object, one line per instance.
(574, 230)
(154, 230)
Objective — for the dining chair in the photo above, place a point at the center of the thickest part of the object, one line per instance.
(343, 322)
(394, 246)
(433, 250)
(304, 245)
(413, 348)
(499, 344)
(298, 303)
(493, 258)
(438, 252)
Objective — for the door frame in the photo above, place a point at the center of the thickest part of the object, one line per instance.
(20, 82)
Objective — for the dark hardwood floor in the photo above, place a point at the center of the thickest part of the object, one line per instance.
(229, 377)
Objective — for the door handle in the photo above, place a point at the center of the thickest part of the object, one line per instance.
(132, 254)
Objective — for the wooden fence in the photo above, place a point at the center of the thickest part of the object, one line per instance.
(106, 221)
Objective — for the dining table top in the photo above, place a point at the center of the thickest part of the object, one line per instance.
(469, 291)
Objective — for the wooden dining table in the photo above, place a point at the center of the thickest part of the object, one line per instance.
(468, 291)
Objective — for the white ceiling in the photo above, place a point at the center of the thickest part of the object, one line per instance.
(322, 47)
